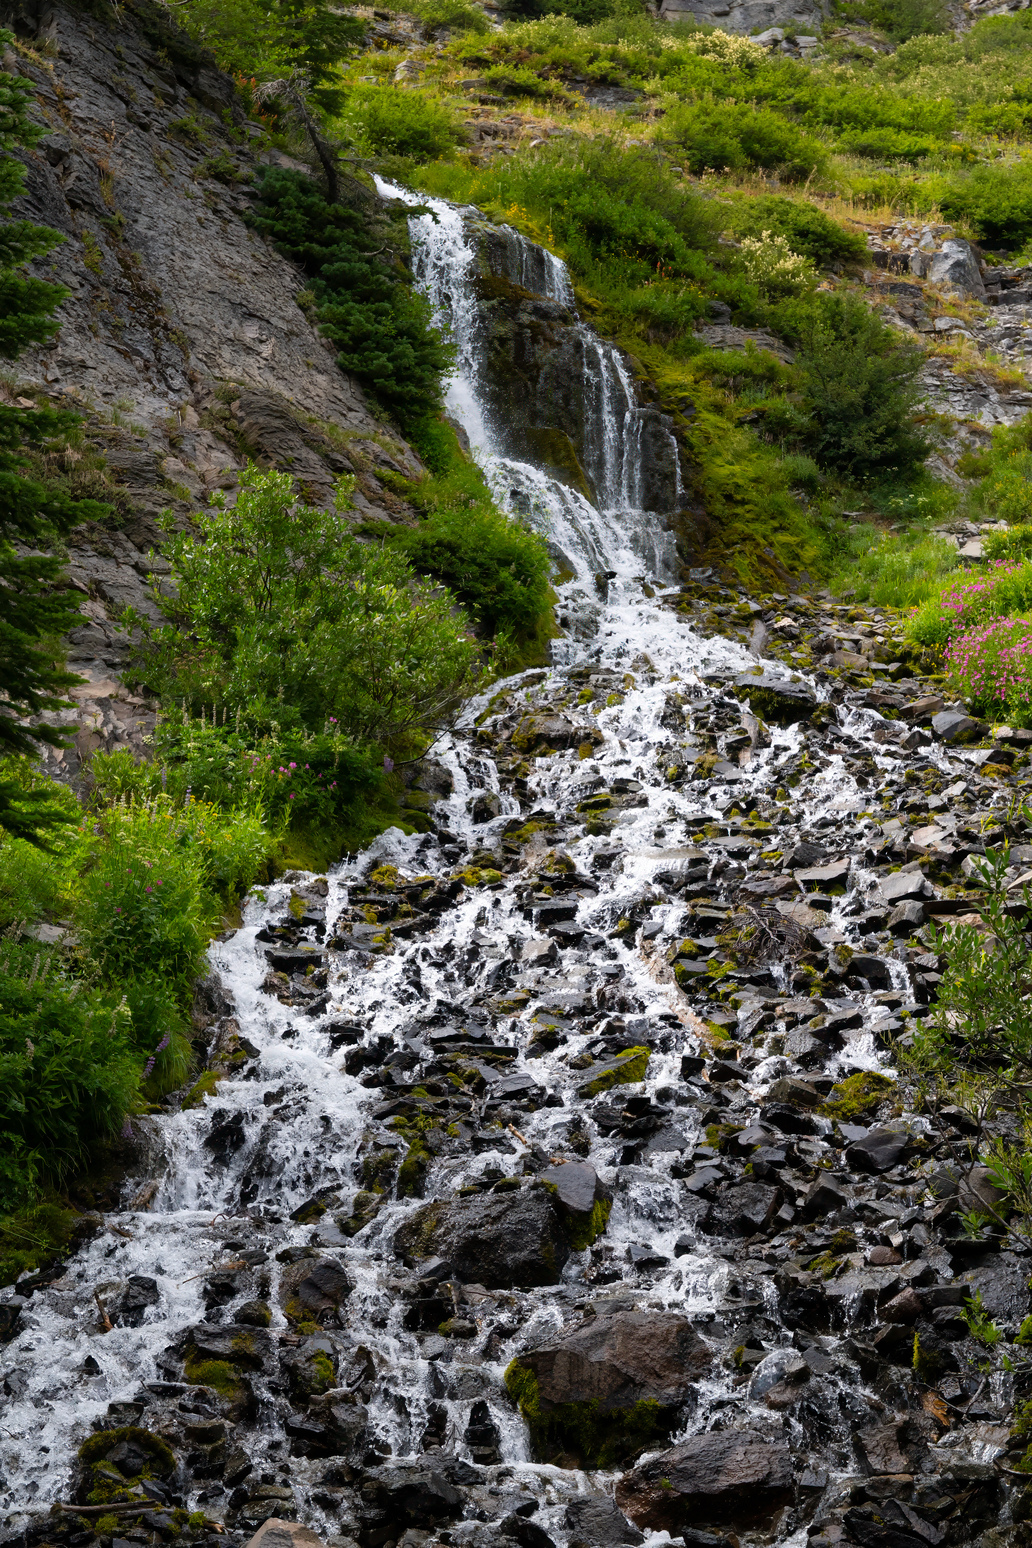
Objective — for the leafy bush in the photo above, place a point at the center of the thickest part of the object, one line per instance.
(860, 385)
(493, 565)
(379, 326)
(391, 121)
(283, 613)
(455, 15)
(296, 781)
(733, 135)
(888, 144)
(68, 1071)
(995, 201)
(142, 905)
(808, 230)
(774, 268)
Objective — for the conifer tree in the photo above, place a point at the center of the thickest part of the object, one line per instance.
(33, 613)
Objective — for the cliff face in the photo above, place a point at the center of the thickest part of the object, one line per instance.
(182, 341)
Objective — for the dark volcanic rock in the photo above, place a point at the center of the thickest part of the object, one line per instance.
(502, 1241)
(733, 1477)
(619, 1359)
(596, 1522)
(776, 698)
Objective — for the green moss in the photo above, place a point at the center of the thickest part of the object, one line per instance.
(597, 1438)
(204, 1087)
(625, 1074)
(412, 1171)
(30, 1236)
(218, 1374)
(96, 1447)
(857, 1094)
(582, 1230)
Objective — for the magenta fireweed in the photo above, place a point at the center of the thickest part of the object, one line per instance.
(991, 666)
(1005, 590)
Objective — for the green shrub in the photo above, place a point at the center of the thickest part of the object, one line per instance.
(809, 231)
(860, 386)
(68, 1071)
(142, 906)
(995, 201)
(736, 135)
(393, 121)
(493, 565)
(888, 144)
(455, 15)
(283, 613)
(379, 326)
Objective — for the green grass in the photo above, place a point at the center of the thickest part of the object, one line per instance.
(888, 570)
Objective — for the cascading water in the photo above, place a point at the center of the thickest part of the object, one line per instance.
(470, 984)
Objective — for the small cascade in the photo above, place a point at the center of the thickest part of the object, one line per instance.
(298, 1309)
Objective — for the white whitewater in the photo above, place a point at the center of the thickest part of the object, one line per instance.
(52, 1399)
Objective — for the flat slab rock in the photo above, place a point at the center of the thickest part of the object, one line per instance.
(733, 1478)
(619, 1359)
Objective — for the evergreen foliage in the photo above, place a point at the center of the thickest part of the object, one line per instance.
(380, 327)
(860, 387)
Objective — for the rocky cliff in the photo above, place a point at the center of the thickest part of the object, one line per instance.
(183, 341)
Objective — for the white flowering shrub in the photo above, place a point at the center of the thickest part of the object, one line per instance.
(772, 265)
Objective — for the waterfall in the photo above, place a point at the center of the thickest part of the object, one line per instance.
(611, 534)
(530, 929)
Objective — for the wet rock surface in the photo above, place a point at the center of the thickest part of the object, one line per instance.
(599, 1118)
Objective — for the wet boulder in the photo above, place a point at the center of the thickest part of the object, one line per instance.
(733, 1478)
(583, 1200)
(609, 1388)
(312, 1290)
(417, 1493)
(140, 1292)
(776, 699)
(503, 1241)
(878, 1150)
(596, 1521)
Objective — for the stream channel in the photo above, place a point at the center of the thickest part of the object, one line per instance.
(511, 1018)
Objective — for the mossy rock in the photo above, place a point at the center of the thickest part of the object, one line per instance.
(858, 1094)
(114, 1462)
(205, 1086)
(626, 1069)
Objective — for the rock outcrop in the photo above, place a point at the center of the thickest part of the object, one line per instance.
(184, 342)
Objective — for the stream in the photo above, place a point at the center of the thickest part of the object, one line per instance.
(395, 1037)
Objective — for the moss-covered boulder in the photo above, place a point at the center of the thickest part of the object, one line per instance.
(609, 1389)
(113, 1464)
(313, 1290)
(626, 1069)
(583, 1200)
(504, 1241)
